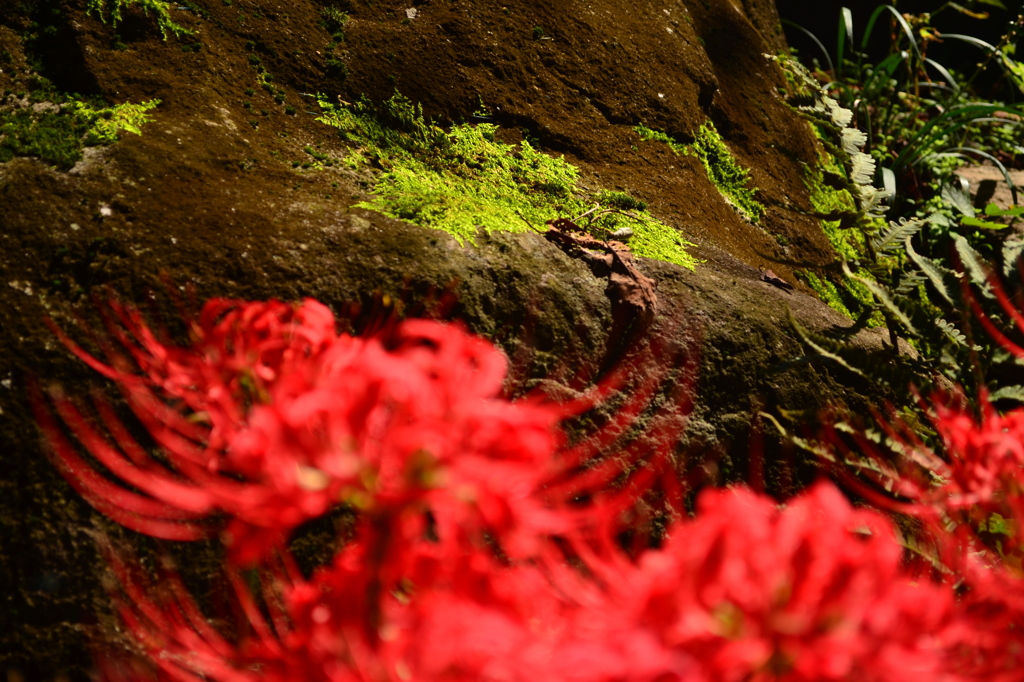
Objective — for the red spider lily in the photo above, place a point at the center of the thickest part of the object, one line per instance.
(485, 547)
(745, 591)
(814, 591)
(270, 418)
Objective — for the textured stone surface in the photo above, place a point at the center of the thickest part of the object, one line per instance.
(213, 202)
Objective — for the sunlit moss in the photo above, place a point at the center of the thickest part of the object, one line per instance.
(844, 295)
(160, 8)
(56, 132)
(463, 180)
(731, 179)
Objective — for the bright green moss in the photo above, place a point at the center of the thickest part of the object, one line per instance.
(464, 180)
(160, 8)
(646, 133)
(56, 134)
(110, 121)
(846, 296)
(731, 179)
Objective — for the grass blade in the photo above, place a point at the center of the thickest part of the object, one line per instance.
(831, 66)
(845, 34)
(944, 72)
(899, 19)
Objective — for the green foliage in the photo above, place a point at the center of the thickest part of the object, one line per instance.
(109, 122)
(53, 137)
(620, 201)
(916, 114)
(464, 179)
(993, 211)
(731, 179)
(56, 130)
(910, 292)
(333, 20)
(160, 8)
(846, 168)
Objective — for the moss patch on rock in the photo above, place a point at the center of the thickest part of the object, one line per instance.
(731, 179)
(844, 295)
(54, 127)
(160, 9)
(463, 180)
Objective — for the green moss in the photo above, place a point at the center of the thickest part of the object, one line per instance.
(848, 297)
(731, 179)
(620, 201)
(57, 133)
(844, 295)
(849, 243)
(160, 8)
(333, 20)
(646, 133)
(464, 180)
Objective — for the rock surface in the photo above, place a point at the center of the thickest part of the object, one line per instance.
(211, 200)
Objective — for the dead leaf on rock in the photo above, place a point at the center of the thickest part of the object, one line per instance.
(775, 280)
(626, 284)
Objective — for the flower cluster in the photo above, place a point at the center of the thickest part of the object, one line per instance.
(485, 545)
(746, 590)
(271, 418)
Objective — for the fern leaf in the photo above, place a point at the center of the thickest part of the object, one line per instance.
(1008, 393)
(909, 282)
(891, 241)
(1012, 250)
(972, 264)
(840, 115)
(871, 201)
(862, 168)
(820, 345)
(884, 297)
(954, 334)
(931, 269)
(853, 140)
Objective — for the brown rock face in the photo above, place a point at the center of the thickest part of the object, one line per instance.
(208, 195)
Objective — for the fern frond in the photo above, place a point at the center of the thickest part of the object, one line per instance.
(909, 283)
(951, 332)
(862, 168)
(932, 270)
(825, 347)
(891, 241)
(840, 115)
(871, 201)
(893, 372)
(972, 265)
(853, 140)
(1008, 393)
(1012, 250)
(884, 296)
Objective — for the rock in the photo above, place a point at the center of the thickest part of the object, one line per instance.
(222, 210)
(988, 185)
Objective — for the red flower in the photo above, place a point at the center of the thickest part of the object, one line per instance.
(813, 591)
(271, 418)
